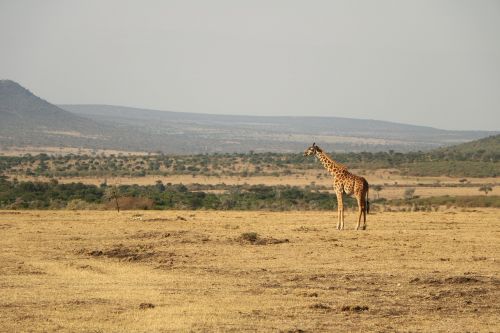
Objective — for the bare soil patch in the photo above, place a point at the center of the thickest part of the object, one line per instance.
(255, 239)
(125, 253)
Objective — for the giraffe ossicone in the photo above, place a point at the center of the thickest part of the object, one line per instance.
(344, 182)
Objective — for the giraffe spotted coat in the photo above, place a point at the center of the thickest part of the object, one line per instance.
(344, 182)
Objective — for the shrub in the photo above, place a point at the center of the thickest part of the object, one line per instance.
(251, 237)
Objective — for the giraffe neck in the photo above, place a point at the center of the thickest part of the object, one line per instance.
(330, 165)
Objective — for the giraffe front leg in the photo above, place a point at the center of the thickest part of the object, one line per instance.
(338, 218)
(342, 218)
(340, 208)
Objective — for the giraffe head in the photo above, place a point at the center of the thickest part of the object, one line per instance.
(312, 150)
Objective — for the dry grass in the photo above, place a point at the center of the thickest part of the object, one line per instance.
(163, 271)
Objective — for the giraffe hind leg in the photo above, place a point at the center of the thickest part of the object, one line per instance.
(360, 210)
(364, 218)
(365, 210)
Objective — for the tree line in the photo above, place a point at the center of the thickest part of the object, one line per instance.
(53, 195)
(479, 163)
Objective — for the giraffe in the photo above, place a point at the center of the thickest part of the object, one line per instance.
(344, 181)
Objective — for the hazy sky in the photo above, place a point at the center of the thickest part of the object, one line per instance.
(431, 62)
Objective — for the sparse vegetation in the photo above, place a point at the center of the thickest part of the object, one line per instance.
(492, 201)
(453, 163)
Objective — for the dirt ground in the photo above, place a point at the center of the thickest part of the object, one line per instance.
(170, 271)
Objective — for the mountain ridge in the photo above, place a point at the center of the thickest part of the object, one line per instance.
(132, 108)
(28, 120)
(293, 125)
(20, 107)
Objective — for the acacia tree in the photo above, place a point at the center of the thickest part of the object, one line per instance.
(409, 192)
(377, 188)
(486, 189)
(113, 193)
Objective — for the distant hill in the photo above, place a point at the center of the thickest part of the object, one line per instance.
(229, 133)
(28, 120)
(489, 146)
(21, 109)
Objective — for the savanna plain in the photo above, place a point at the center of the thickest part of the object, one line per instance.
(257, 271)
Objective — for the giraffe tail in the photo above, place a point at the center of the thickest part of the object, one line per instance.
(367, 200)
